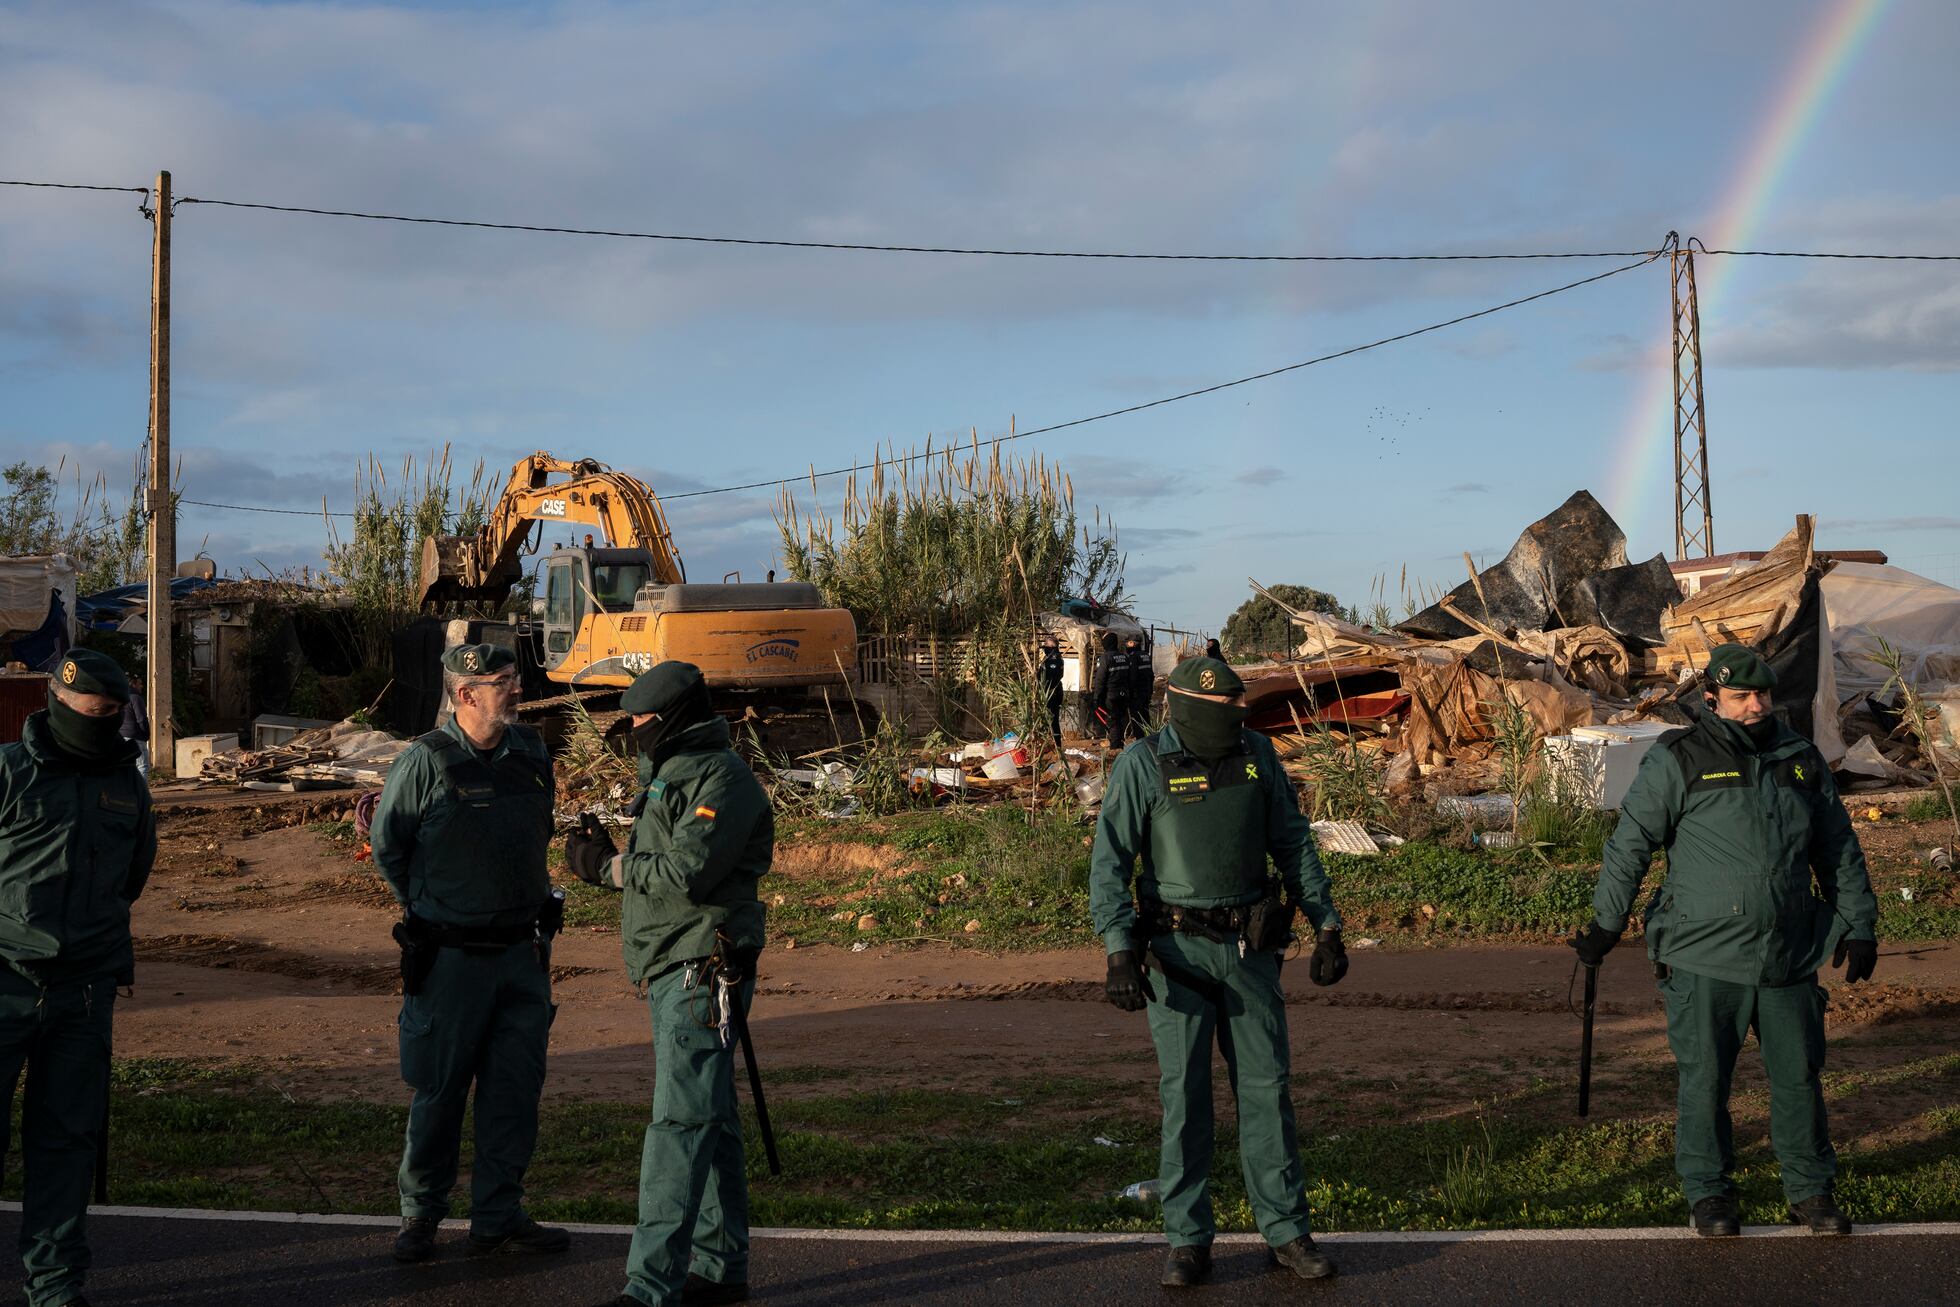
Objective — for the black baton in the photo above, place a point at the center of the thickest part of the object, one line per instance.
(1585, 1040)
(741, 1020)
(102, 1157)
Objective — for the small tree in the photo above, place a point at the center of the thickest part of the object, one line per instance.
(1259, 626)
(106, 542)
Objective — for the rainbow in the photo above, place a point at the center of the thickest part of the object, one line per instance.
(1644, 457)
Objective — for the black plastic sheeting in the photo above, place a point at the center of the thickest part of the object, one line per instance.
(1628, 601)
(1793, 653)
(1538, 585)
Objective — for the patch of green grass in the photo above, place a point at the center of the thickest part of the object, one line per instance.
(1930, 806)
(1028, 1154)
(1472, 892)
(338, 832)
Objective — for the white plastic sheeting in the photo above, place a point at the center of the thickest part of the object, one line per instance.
(1865, 602)
(24, 585)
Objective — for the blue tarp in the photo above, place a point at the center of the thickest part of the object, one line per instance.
(107, 609)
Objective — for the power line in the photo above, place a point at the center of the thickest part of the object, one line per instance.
(76, 186)
(1212, 389)
(913, 249)
(1112, 413)
(1815, 254)
(256, 508)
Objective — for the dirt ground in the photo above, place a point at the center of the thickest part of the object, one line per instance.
(261, 943)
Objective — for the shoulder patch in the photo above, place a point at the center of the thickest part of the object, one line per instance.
(704, 812)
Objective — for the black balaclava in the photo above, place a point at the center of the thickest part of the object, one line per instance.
(82, 737)
(1208, 729)
(659, 739)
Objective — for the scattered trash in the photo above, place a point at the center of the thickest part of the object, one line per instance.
(1905, 892)
(1344, 837)
(1106, 1142)
(1143, 1191)
(1940, 859)
(859, 947)
(1874, 814)
(1001, 767)
(1490, 808)
(1366, 941)
(868, 921)
(971, 927)
(1496, 839)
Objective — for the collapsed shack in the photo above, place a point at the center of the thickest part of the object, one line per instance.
(1579, 641)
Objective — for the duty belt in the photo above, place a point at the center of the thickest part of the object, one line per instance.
(1160, 918)
(481, 938)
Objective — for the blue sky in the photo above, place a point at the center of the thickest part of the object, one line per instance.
(304, 343)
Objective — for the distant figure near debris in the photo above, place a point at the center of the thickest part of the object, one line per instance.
(1765, 880)
(703, 836)
(460, 835)
(1048, 672)
(1119, 677)
(1213, 651)
(76, 844)
(772, 576)
(1203, 804)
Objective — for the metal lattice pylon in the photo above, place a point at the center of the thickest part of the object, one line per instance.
(1694, 520)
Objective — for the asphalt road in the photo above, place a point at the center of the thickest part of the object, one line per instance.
(147, 1260)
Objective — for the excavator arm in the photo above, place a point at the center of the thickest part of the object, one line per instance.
(483, 567)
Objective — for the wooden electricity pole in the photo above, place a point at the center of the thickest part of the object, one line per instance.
(1694, 520)
(162, 510)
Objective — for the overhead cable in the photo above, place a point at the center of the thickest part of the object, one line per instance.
(76, 186)
(1096, 417)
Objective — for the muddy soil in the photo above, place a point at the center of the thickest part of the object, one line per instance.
(260, 943)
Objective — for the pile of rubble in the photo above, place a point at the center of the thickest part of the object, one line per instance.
(346, 753)
(1588, 646)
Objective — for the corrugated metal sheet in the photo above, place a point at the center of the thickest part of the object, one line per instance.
(21, 695)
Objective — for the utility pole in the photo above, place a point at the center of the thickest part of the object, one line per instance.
(1694, 520)
(162, 509)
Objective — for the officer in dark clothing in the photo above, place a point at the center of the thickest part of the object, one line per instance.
(1048, 672)
(1213, 651)
(1200, 813)
(703, 837)
(1116, 687)
(1143, 682)
(76, 844)
(460, 834)
(1765, 880)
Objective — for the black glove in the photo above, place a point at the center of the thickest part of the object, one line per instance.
(1593, 943)
(1329, 961)
(1864, 959)
(1127, 986)
(587, 851)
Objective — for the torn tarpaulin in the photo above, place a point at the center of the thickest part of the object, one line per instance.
(1536, 587)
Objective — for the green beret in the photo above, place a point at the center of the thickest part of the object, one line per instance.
(663, 687)
(89, 671)
(1206, 676)
(1736, 667)
(478, 659)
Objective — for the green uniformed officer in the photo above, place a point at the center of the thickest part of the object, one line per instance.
(461, 833)
(1765, 880)
(1204, 804)
(76, 843)
(702, 839)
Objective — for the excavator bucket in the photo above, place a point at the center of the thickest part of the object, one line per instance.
(452, 573)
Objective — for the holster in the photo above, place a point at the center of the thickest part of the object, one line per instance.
(551, 920)
(418, 947)
(1269, 922)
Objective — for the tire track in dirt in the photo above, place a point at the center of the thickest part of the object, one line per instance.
(217, 953)
(1088, 991)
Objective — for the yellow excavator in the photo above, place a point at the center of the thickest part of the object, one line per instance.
(614, 609)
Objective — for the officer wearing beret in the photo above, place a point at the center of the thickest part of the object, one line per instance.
(461, 833)
(703, 836)
(1200, 813)
(76, 844)
(1765, 880)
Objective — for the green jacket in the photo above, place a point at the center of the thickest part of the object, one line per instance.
(76, 846)
(704, 837)
(461, 838)
(1744, 831)
(1204, 834)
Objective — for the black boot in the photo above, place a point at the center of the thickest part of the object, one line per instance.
(417, 1239)
(1716, 1218)
(527, 1236)
(1821, 1215)
(1186, 1266)
(700, 1291)
(1302, 1258)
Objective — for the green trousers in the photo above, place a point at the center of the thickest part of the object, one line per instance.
(482, 1020)
(60, 1036)
(1707, 1021)
(1236, 1001)
(694, 1189)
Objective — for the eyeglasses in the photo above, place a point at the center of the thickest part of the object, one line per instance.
(501, 684)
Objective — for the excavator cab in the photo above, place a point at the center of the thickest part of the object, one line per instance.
(578, 582)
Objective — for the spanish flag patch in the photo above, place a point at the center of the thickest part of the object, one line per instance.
(705, 812)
